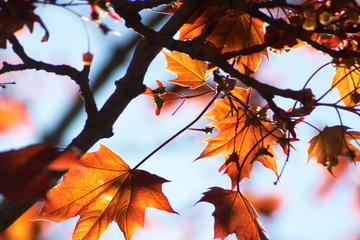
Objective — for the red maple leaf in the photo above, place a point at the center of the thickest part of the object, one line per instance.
(24, 172)
(233, 214)
(331, 143)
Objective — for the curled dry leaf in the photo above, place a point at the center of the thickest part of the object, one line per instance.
(105, 190)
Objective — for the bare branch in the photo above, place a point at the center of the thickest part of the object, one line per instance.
(127, 88)
(81, 78)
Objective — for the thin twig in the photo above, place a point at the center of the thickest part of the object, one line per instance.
(179, 132)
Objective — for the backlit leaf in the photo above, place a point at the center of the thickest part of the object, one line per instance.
(232, 33)
(346, 80)
(106, 190)
(233, 214)
(331, 143)
(243, 133)
(190, 72)
(23, 172)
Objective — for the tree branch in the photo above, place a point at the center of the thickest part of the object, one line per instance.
(194, 50)
(140, 5)
(130, 86)
(119, 55)
(127, 88)
(299, 33)
(81, 78)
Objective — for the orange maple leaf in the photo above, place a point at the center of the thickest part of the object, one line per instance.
(233, 214)
(13, 113)
(233, 32)
(106, 190)
(331, 143)
(243, 138)
(347, 81)
(190, 72)
(23, 229)
(24, 172)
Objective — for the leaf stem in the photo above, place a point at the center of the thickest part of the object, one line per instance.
(343, 131)
(303, 121)
(286, 160)
(188, 97)
(179, 132)
(307, 82)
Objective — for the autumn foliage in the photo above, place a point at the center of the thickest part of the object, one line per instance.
(214, 48)
(106, 190)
